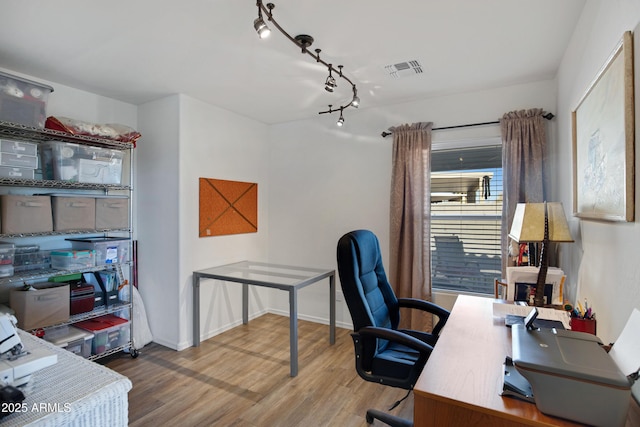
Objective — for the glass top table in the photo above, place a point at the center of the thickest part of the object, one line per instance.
(283, 277)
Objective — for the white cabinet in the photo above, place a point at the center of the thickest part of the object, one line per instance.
(111, 195)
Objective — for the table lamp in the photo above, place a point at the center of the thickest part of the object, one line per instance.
(540, 222)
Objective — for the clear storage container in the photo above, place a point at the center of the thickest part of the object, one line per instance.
(109, 250)
(23, 101)
(66, 161)
(109, 332)
(72, 260)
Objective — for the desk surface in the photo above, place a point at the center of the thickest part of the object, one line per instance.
(266, 274)
(462, 380)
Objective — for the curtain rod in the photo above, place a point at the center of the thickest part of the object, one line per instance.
(547, 116)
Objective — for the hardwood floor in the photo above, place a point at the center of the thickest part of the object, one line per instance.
(241, 378)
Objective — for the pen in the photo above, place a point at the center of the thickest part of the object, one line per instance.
(580, 309)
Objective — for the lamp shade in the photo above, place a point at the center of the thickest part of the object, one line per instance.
(528, 223)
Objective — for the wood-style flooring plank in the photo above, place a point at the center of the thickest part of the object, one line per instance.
(240, 378)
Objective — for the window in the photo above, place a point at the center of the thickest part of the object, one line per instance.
(466, 217)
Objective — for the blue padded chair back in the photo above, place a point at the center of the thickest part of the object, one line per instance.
(366, 290)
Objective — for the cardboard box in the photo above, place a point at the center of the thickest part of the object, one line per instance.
(112, 213)
(73, 213)
(46, 305)
(26, 214)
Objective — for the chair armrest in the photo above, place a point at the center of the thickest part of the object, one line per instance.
(396, 337)
(428, 306)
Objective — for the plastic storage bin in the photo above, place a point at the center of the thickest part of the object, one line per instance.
(7, 253)
(16, 172)
(65, 161)
(109, 250)
(72, 260)
(18, 160)
(18, 147)
(109, 332)
(27, 261)
(23, 101)
(75, 340)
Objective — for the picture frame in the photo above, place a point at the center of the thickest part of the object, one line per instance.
(604, 142)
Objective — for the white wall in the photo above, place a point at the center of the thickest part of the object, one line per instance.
(186, 139)
(156, 188)
(603, 264)
(325, 181)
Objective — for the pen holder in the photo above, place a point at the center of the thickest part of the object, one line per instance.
(583, 325)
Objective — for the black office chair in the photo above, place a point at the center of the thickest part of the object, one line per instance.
(384, 354)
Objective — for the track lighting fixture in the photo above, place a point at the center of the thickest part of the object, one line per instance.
(260, 26)
(303, 41)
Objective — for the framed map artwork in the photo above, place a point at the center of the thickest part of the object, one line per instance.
(603, 141)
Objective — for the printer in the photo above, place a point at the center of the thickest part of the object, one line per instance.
(571, 375)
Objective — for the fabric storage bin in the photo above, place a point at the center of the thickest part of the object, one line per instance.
(26, 214)
(72, 260)
(23, 101)
(75, 340)
(17, 172)
(109, 250)
(73, 213)
(112, 213)
(108, 331)
(44, 304)
(65, 161)
(18, 147)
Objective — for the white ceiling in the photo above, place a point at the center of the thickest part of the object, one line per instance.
(140, 50)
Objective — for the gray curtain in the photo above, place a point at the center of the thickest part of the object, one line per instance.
(523, 152)
(410, 255)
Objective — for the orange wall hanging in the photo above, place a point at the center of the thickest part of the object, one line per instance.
(228, 207)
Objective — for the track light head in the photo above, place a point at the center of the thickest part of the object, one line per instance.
(340, 121)
(330, 84)
(260, 26)
(355, 102)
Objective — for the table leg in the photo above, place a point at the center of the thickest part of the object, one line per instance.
(293, 331)
(245, 303)
(196, 310)
(332, 308)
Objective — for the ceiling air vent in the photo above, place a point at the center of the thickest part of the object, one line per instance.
(404, 69)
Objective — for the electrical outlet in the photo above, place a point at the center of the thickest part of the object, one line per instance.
(339, 296)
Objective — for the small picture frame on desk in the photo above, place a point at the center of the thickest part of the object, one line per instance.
(527, 292)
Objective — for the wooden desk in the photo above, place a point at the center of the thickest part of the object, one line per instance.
(461, 382)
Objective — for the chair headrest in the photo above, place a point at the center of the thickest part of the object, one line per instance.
(367, 249)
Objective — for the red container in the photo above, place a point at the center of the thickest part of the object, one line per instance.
(583, 325)
(82, 298)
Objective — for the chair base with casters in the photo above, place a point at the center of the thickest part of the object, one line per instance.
(386, 418)
(384, 354)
